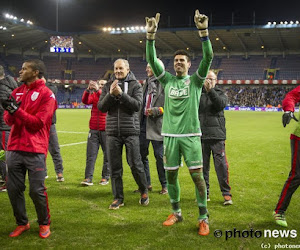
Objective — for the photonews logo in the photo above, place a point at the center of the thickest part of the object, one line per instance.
(183, 93)
(267, 233)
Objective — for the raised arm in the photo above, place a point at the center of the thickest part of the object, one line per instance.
(151, 27)
(201, 22)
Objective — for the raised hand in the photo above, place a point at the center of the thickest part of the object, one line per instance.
(201, 22)
(151, 26)
(115, 88)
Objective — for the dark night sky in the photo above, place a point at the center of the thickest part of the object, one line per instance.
(85, 15)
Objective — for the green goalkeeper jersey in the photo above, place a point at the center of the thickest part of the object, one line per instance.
(182, 94)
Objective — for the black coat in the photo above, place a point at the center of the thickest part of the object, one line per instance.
(122, 113)
(7, 85)
(211, 114)
(53, 88)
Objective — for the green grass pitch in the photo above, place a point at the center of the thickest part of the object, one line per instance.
(258, 153)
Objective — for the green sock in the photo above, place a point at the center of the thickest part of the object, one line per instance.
(174, 190)
(201, 194)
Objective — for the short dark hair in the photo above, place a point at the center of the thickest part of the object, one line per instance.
(184, 53)
(39, 65)
(1, 70)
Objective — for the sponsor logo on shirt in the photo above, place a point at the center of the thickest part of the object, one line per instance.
(181, 93)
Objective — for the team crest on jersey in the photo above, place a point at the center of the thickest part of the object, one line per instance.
(34, 96)
(181, 93)
(187, 82)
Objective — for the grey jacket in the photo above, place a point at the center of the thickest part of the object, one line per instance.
(154, 122)
(122, 112)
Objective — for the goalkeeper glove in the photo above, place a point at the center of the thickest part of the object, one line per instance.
(287, 116)
(151, 26)
(10, 105)
(201, 22)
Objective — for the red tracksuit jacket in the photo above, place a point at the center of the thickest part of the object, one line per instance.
(98, 119)
(31, 122)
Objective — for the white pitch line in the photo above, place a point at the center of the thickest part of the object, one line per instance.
(72, 144)
(72, 132)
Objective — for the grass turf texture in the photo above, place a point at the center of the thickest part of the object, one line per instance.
(258, 152)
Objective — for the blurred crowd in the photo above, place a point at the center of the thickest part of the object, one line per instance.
(256, 96)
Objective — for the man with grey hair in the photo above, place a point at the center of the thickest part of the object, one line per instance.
(121, 98)
(7, 85)
(151, 117)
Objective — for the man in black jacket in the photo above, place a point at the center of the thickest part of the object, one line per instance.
(7, 85)
(212, 121)
(54, 148)
(121, 99)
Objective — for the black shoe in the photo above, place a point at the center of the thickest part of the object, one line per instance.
(116, 204)
(144, 201)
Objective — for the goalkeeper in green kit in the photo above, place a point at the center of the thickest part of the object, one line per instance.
(181, 127)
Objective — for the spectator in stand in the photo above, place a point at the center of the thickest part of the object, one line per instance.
(212, 121)
(97, 136)
(29, 111)
(122, 100)
(7, 85)
(54, 148)
(151, 117)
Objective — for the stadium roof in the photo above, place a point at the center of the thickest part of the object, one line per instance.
(279, 39)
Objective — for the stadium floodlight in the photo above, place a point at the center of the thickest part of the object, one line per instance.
(269, 23)
(274, 23)
(7, 15)
(281, 22)
(1, 27)
(137, 27)
(123, 28)
(118, 29)
(22, 20)
(142, 27)
(291, 22)
(297, 22)
(285, 22)
(104, 29)
(4, 28)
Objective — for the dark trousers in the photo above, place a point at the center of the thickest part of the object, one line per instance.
(95, 139)
(293, 181)
(114, 153)
(3, 143)
(18, 163)
(217, 148)
(158, 153)
(54, 150)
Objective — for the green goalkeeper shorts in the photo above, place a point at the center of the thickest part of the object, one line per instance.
(188, 147)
